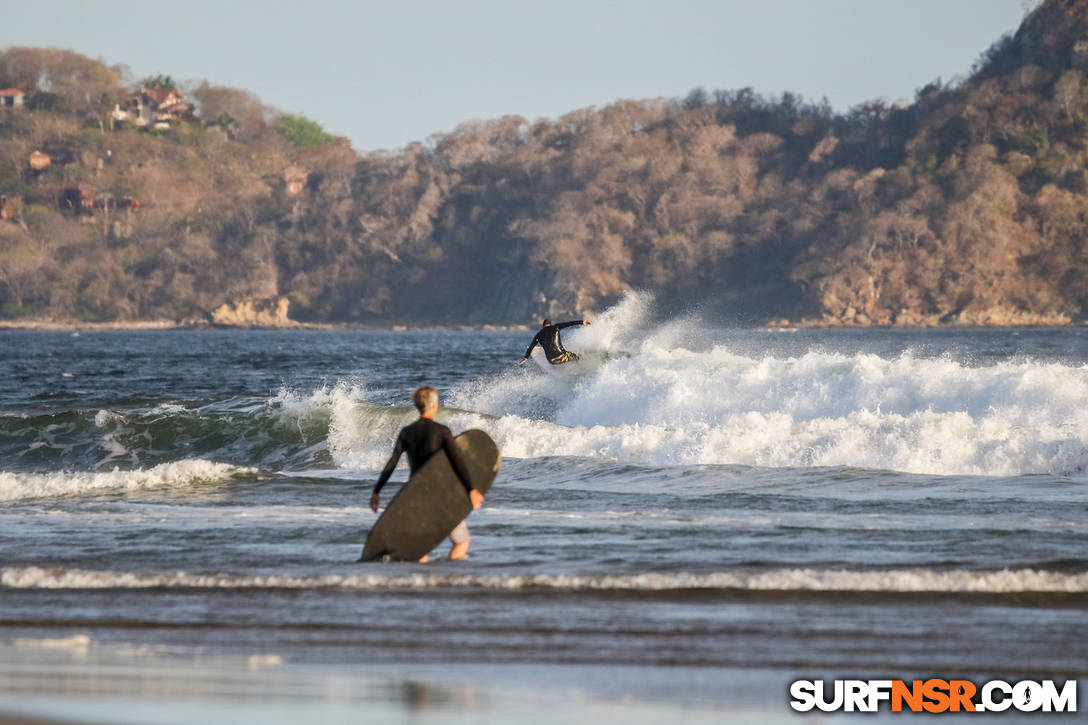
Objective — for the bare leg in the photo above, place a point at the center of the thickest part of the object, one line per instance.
(424, 559)
(459, 551)
(459, 537)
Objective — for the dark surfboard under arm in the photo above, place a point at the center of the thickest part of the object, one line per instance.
(433, 501)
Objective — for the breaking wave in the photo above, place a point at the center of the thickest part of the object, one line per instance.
(667, 394)
(889, 580)
(18, 486)
(647, 393)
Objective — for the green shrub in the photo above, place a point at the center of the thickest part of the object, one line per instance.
(12, 311)
(1036, 141)
(302, 132)
(45, 101)
(91, 138)
(86, 313)
(159, 82)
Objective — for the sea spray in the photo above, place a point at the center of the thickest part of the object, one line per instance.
(682, 399)
(673, 394)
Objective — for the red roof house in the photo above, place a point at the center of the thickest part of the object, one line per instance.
(12, 98)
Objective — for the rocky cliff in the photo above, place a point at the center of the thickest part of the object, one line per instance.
(269, 312)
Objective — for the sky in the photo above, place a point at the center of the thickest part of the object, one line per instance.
(385, 73)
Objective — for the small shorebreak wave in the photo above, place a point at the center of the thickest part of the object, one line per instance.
(287, 430)
(1005, 581)
(22, 486)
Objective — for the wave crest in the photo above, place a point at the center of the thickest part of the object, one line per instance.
(675, 393)
(19, 486)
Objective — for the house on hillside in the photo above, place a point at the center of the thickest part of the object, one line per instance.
(109, 202)
(296, 178)
(11, 206)
(12, 98)
(155, 108)
(39, 161)
(78, 198)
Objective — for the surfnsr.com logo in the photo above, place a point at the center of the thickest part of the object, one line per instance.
(933, 695)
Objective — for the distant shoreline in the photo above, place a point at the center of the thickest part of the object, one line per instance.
(151, 325)
(142, 325)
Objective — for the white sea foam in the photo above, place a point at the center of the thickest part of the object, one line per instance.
(681, 399)
(261, 662)
(358, 433)
(79, 643)
(17, 486)
(885, 580)
(667, 394)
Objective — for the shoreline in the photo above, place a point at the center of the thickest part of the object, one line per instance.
(152, 325)
(144, 325)
(13, 717)
(925, 325)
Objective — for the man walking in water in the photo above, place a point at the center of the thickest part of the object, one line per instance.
(420, 441)
(549, 341)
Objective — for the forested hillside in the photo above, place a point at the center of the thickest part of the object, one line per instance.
(967, 206)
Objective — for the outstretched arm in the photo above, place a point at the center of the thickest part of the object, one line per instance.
(529, 350)
(572, 323)
(391, 464)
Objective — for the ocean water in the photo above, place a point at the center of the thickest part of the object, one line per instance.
(684, 522)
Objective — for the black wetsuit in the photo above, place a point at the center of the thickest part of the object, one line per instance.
(548, 339)
(420, 441)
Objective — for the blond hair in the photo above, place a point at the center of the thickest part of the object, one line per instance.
(425, 398)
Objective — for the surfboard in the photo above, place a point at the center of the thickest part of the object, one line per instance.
(588, 361)
(433, 501)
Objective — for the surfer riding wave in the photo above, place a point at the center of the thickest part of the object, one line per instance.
(549, 340)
